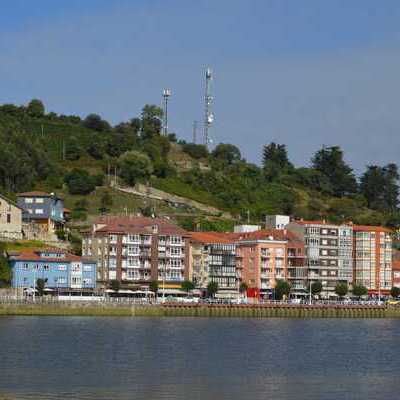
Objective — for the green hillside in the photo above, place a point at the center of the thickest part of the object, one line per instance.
(73, 157)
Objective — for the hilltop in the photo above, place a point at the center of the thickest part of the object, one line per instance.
(79, 159)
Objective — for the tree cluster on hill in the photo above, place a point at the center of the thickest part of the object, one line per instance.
(138, 152)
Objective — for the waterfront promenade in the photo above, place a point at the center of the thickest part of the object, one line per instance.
(132, 309)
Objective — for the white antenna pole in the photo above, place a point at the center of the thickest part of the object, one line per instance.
(208, 102)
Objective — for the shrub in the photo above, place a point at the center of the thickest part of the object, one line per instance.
(79, 182)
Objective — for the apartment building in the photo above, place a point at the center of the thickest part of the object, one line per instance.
(138, 250)
(372, 252)
(328, 251)
(213, 259)
(60, 269)
(265, 256)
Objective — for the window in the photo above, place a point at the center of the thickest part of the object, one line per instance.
(28, 200)
(8, 218)
(87, 268)
(45, 267)
(39, 211)
(39, 200)
(26, 266)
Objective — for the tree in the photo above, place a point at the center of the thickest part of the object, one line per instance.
(79, 182)
(316, 288)
(106, 201)
(187, 286)
(395, 291)
(96, 123)
(134, 166)
(73, 150)
(35, 108)
(153, 286)
(212, 289)
(40, 286)
(275, 161)
(341, 289)
(243, 288)
(359, 290)
(227, 152)
(5, 270)
(282, 288)
(115, 285)
(329, 161)
(151, 121)
(96, 148)
(379, 186)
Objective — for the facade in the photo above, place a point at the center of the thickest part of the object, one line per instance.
(10, 219)
(213, 259)
(246, 228)
(328, 252)
(138, 250)
(61, 269)
(372, 251)
(44, 210)
(396, 273)
(276, 221)
(265, 256)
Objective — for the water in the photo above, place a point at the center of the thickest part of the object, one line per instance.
(189, 358)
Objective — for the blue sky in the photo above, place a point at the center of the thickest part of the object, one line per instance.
(300, 72)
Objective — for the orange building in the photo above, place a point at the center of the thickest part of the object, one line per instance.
(372, 255)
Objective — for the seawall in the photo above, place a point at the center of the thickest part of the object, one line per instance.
(173, 310)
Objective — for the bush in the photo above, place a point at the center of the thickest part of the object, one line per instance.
(79, 182)
(99, 179)
(195, 150)
(72, 150)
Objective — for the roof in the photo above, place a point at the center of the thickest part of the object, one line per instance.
(10, 201)
(271, 234)
(34, 194)
(371, 228)
(34, 255)
(211, 237)
(313, 222)
(129, 224)
(264, 234)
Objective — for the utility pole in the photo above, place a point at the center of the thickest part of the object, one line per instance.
(166, 95)
(208, 103)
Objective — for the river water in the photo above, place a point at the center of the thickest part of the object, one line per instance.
(195, 358)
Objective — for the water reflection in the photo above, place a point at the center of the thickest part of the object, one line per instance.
(179, 358)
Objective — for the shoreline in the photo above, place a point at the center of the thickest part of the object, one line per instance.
(224, 311)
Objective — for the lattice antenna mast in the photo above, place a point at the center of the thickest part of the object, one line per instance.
(166, 95)
(208, 101)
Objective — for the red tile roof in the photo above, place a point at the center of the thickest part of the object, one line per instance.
(34, 194)
(138, 225)
(229, 237)
(211, 237)
(34, 255)
(371, 228)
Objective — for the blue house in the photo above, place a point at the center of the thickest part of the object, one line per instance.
(61, 269)
(44, 209)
